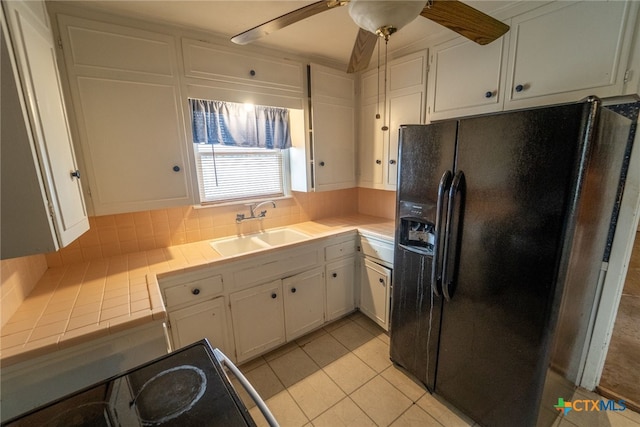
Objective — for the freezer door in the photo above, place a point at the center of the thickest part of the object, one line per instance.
(518, 170)
(426, 155)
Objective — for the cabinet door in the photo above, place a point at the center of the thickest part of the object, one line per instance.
(333, 118)
(568, 50)
(406, 105)
(375, 281)
(34, 49)
(465, 78)
(340, 279)
(258, 319)
(125, 88)
(203, 320)
(303, 302)
(371, 155)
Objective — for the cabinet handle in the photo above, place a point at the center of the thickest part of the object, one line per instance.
(252, 73)
(321, 163)
(176, 168)
(488, 94)
(293, 290)
(378, 162)
(274, 295)
(520, 88)
(195, 291)
(334, 275)
(381, 280)
(392, 162)
(75, 174)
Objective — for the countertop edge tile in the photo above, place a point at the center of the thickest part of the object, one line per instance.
(82, 335)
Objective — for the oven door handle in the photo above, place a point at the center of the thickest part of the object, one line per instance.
(223, 359)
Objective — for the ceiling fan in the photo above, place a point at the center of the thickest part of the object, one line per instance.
(381, 18)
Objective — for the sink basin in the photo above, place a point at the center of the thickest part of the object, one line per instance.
(281, 236)
(237, 245)
(253, 242)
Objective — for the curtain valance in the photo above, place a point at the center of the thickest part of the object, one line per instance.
(240, 125)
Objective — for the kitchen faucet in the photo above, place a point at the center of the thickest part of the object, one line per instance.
(252, 211)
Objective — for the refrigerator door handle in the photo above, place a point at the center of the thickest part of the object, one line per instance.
(450, 245)
(438, 252)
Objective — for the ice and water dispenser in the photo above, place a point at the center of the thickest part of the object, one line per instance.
(417, 227)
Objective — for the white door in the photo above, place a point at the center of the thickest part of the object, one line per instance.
(340, 279)
(333, 128)
(303, 302)
(374, 292)
(35, 55)
(258, 319)
(203, 320)
(465, 78)
(565, 51)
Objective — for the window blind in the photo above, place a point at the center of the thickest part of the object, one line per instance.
(237, 173)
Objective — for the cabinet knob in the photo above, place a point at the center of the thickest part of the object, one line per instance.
(392, 162)
(334, 275)
(378, 162)
(252, 73)
(293, 290)
(520, 88)
(75, 174)
(195, 291)
(321, 163)
(274, 295)
(176, 168)
(381, 280)
(488, 94)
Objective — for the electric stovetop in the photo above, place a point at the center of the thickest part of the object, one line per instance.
(185, 388)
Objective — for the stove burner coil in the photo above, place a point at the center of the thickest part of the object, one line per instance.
(169, 394)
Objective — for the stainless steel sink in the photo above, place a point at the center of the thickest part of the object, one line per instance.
(254, 242)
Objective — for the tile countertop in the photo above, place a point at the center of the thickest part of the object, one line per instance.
(76, 303)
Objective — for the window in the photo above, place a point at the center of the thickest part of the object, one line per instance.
(241, 150)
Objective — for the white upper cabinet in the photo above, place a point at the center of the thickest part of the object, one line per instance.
(207, 61)
(42, 203)
(330, 150)
(559, 52)
(465, 78)
(403, 102)
(565, 51)
(126, 95)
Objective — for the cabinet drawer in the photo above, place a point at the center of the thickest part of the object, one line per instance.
(339, 250)
(377, 249)
(192, 292)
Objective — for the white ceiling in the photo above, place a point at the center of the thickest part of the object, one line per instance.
(328, 35)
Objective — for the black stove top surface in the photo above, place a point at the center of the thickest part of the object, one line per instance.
(185, 388)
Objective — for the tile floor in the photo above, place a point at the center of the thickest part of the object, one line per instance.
(341, 376)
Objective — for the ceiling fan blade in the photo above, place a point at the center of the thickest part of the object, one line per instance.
(465, 20)
(362, 51)
(285, 20)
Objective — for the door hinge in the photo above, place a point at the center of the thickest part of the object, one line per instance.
(60, 43)
(52, 212)
(627, 76)
(168, 323)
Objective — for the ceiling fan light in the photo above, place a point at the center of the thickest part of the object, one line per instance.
(373, 15)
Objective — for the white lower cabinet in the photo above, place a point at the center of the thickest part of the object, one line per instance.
(375, 283)
(340, 279)
(303, 303)
(258, 319)
(203, 320)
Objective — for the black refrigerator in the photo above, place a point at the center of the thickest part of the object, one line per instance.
(502, 223)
